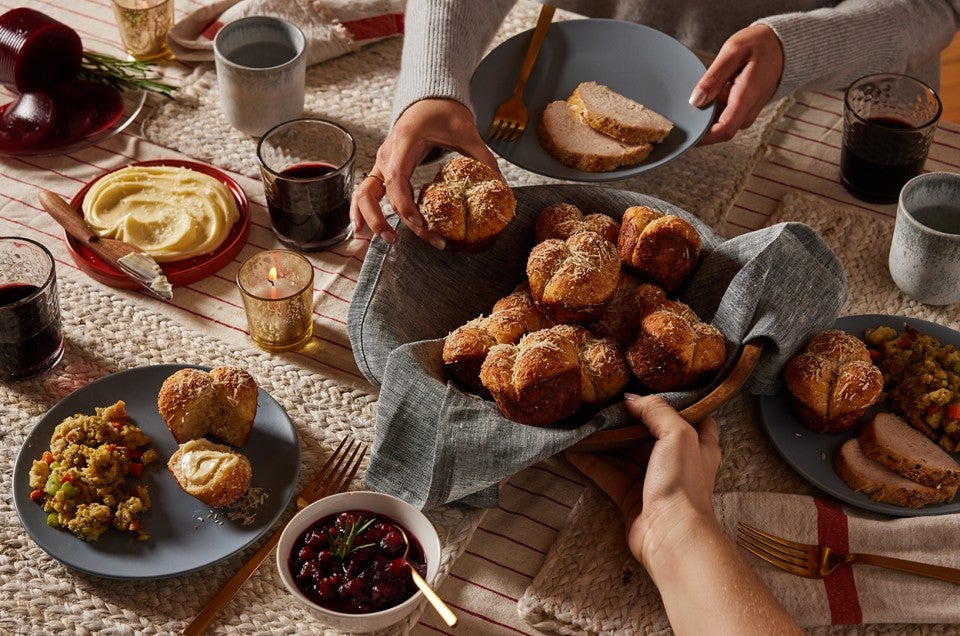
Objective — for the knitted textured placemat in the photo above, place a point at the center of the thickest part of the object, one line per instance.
(105, 334)
(591, 584)
(356, 91)
(862, 243)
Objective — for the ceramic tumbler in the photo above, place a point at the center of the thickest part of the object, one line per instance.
(924, 255)
(261, 64)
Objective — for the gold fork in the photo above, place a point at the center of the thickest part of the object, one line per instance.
(335, 476)
(510, 120)
(819, 561)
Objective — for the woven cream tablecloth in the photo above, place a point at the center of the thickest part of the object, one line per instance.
(501, 569)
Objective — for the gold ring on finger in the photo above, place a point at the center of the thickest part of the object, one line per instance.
(367, 175)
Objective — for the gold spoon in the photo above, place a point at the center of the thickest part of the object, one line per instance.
(442, 609)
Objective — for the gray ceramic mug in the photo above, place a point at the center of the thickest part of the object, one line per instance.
(925, 252)
(261, 66)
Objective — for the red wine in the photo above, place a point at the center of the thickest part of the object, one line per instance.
(879, 156)
(30, 340)
(307, 212)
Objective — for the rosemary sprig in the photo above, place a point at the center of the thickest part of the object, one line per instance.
(122, 74)
(341, 542)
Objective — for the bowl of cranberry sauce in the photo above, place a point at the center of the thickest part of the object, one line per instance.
(343, 557)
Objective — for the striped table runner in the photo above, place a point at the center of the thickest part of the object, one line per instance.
(797, 179)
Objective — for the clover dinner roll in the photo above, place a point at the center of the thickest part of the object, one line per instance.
(658, 246)
(221, 402)
(631, 301)
(467, 204)
(832, 381)
(466, 347)
(572, 280)
(674, 349)
(603, 369)
(563, 220)
(213, 473)
(536, 381)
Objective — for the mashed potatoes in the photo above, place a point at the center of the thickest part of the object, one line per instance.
(172, 213)
(81, 480)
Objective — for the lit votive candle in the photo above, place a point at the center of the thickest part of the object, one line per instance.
(277, 290)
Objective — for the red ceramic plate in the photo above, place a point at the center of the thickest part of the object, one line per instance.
(179, 273)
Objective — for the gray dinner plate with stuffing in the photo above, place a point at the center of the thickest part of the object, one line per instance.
(186, 535)
(634, 60)
(811, 453)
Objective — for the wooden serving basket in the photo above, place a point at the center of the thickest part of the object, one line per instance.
(617, 438)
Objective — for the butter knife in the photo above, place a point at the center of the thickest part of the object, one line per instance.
(129, 259)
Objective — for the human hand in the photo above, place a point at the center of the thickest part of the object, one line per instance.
(742, 79)
(663, 487)
(423, 126)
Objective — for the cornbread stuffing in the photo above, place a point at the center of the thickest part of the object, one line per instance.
(81, 480)
(922, 380)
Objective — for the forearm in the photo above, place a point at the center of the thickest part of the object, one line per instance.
(832, 47)
(442, 45)
(707, 587)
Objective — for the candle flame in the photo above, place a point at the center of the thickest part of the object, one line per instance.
(272, 275)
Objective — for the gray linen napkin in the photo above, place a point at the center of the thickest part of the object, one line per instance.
(435, 444)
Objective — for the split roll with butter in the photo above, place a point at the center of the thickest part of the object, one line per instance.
(213, 473)
(172, 213)
(220, 403)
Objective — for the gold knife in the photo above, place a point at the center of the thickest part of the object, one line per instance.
(129, 259)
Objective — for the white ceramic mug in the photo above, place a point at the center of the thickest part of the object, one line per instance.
(261, 72)
(925, 252)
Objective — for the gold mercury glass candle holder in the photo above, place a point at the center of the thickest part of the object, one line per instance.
(143, 27)
(277, 290)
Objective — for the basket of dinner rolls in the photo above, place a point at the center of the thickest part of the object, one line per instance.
(592, 313)
(490, 359)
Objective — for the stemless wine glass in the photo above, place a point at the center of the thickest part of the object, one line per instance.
(31, 337)
(307, 170)
(888, 123)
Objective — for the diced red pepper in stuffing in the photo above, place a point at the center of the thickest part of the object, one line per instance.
(47, 457)
(136, 469)
(875, 355)
(36, 496)
(953, 411)
(933, 409)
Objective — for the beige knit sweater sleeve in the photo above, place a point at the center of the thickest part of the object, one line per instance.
(827, 46)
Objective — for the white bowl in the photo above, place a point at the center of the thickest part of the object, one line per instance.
(412, 520)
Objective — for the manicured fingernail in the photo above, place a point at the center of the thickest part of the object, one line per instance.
(698, 98)
(631, 396)
(438, 242)
(388, 237)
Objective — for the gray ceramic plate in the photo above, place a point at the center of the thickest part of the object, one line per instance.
(811, 454)
(185, 534)
(634, 60)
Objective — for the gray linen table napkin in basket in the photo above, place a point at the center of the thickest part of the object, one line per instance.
(436, 444)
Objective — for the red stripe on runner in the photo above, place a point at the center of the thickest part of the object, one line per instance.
(374, 27)
(210, 31)
(841, 588)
